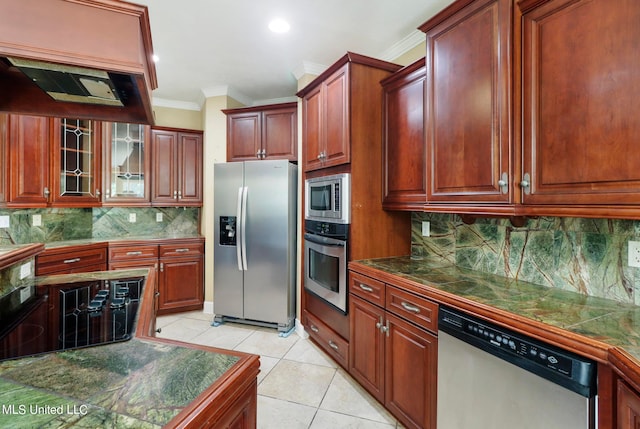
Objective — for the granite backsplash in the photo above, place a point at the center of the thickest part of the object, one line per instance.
(63, 224)
(588, 256)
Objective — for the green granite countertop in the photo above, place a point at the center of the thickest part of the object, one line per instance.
(607, 321)
(152, 237)
(132, 384)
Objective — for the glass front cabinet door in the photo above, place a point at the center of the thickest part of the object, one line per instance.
(76, 155)
(127, 163)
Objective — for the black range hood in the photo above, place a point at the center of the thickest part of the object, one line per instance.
(88, 59)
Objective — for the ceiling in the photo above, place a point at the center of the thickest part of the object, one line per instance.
(223, 47)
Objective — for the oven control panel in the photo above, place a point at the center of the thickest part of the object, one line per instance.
(327, 229)
(545, 360)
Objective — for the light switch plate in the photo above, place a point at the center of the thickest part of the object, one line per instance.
(634, 254)
(4, 221)
(25, 270)
(36, 220)
(159, 217)
(132, 217)
(426, 228)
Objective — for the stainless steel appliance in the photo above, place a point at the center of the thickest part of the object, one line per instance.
(325, 261)
(255, 243)
(491, 377)
(328, 198)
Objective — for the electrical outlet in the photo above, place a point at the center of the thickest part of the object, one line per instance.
(36, 220)
(25, 270)
(159, 217)
(426, 228)
(634, 254)
(132, 217)
(4, 221)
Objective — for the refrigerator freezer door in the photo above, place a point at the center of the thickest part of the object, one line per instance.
(270, 207)
(227, 277)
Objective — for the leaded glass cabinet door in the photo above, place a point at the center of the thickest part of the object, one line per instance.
(76, 170)
(127, 163)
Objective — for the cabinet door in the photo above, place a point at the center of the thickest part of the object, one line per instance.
(404, 161)
(126, 164)
(243, 136)
(189, 169)
(76, 163)
(335, 119)
(410, 373)
(280, 134)
(468, 104)
(180, 285)
(581, 98)
(312, 130)
(628, 407)
(28, 141)
(366, 360)
(164, 163)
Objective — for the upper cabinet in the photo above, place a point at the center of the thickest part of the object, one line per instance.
(580, 103)
(52, 161)
(177, 167)
(468, 103)
(127, 164)
(262, 132)
(329, 104)
(403, 139)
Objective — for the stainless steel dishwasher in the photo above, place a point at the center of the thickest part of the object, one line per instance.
(492, 378)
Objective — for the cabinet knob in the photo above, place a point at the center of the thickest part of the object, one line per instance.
(379, 323)
(98, 192)
(264, 153)
(46, 192)
(258, 153)
(503, 183)
(525, 184)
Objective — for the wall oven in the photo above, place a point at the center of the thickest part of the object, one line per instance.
(325, 247)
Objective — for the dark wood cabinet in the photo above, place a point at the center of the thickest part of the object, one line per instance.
(72, 259)
(262, 132)
(628, 407)
(177, 167)
(393, 349)
(580, 98)
(404, 159)
(468, 103)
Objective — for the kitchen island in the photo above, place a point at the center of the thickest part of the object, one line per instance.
(143, 382)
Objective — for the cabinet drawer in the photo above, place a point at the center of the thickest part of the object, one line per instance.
(412, 307)
(332, 343)
(71, 260)
(182, 249)
(129, 253)
(367, 288)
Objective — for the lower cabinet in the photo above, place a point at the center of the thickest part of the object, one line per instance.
(332, 343)
(393, 358)
(72, 259)
(180, 267)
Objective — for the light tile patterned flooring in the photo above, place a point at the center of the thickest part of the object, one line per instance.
(298, 385)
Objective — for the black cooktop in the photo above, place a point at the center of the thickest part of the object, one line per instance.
(45, 318)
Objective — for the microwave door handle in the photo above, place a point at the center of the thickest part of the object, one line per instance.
(325, 241)
(245, 191)
(238, 229)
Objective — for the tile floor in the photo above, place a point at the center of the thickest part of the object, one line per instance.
(298, 385)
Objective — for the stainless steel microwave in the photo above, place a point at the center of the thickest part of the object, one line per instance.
(328, 198)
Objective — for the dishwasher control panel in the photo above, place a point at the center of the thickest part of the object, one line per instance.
(561, 366)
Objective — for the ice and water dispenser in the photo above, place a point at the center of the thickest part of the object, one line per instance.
(227, 230)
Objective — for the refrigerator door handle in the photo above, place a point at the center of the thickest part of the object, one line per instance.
(243, 237)
(238, 224)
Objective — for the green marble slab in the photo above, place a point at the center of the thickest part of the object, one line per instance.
(602, 319)
(134, 384)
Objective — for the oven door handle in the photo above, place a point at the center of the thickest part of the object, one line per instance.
(325, 241)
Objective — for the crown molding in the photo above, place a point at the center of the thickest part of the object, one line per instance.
(403, 46)
(175, 104)
(307, 67)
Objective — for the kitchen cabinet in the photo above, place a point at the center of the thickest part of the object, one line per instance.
(176, 167)
(404, 159)
(127, 164)
(393, 349)
(333, 105)
(628, 407)
(72, 259)
(52, 162)
(580, 99)
(179, 266)
(330, 341)
(468, 103)
(262, 132)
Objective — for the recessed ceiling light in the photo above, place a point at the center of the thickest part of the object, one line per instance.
(279, 25)
(155, 58)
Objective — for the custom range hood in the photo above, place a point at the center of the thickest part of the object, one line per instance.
(89, 59)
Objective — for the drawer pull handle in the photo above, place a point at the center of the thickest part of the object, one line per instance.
(138, 253)
(71, 261)
(333, 345)
(182, 250)
(314, 329)
(366, 288)
(410, 307)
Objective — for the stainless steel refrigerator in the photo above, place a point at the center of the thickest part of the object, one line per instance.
(255, 243)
